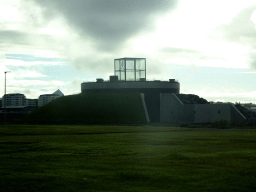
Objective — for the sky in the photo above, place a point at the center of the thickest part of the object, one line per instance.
(208, 46)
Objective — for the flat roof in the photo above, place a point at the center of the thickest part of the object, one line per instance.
(131, 58)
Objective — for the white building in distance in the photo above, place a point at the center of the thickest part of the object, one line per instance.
(46, 98)
(17, 103)
(14, 100)
(30, 103)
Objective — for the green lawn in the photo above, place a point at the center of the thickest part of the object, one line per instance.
(124, 158)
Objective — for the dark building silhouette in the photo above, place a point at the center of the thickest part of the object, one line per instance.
(130, 76)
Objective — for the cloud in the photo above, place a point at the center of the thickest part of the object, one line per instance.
(221, 94)
(242, 30)
(36, 87)
(179, 50)
(26, 60)
(3, 63)
(14, 62)
(90, 34)
(95, 64)
(193, 57)
(110, 23)
(13, 37)
(252, 59)
(25, 30)
(16, 41)
(24, 73)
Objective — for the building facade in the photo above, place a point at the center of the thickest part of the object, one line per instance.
(14, 100)
(130, 76)
(161, 97)
(173, 110)
(30, 103)
(46, 98)
(17, 103)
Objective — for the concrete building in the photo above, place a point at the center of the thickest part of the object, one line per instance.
(173, 110)
(130, 76)
(160, 98)
(46, 98)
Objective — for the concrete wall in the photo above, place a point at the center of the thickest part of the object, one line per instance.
(211, 112)
(151, 90)
(173, 110)
(236, 115)
(145, 107)
(130, 85)
(188, 114)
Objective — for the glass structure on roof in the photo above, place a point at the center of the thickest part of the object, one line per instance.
(130, 69)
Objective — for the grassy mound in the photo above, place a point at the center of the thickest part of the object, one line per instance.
(91, 108)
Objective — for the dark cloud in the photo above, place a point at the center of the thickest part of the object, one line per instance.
(109, 22)
(16, 41)
(10, 36)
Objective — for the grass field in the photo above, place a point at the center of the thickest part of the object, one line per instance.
(125, 158)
